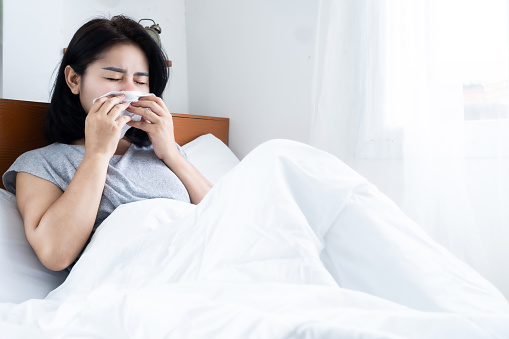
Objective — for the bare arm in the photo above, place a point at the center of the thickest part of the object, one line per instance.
(58, 224)
(196, 184)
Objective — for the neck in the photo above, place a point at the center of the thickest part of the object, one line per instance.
(123, 146)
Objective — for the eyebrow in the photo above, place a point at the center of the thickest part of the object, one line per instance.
(120, 70)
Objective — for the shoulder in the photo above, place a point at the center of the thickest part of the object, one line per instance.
(56, 163)
(50, 151)
(54, 154)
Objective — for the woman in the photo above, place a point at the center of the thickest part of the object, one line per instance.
(64, 191)
(300, 208)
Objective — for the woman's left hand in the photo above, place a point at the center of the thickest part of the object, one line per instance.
(158, 123)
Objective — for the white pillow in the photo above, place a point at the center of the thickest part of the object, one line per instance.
(210, 156)
(22, 276)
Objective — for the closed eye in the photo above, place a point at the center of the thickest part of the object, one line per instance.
(112, 79)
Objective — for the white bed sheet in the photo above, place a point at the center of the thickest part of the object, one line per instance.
(247, 263)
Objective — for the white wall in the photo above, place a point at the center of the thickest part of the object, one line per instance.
(33, 41)
(252, 61)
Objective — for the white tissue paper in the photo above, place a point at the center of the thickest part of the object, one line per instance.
(130, 96)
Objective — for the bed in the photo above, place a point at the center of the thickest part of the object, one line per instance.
(290, 243)
(21, 121)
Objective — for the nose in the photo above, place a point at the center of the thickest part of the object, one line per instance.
(129, 86)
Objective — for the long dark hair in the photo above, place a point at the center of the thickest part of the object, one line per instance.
(65, 120)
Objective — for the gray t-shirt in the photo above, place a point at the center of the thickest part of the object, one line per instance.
(136, 175)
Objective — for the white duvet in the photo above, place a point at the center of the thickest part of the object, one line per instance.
(290, 244)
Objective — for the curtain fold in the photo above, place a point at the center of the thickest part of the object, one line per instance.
(389, 94)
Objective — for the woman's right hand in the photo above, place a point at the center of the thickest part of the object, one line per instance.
(58, 223)
(102, 128)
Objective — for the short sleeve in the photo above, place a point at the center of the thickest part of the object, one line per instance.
(43, 163)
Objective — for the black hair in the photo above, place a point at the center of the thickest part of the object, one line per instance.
(65, 120)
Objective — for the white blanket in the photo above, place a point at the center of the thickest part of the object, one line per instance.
(264, 256)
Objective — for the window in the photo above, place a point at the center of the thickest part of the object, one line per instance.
(485, 76)
(434, 71)
(484, 59)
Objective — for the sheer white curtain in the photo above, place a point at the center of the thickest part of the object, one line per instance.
(389, 94)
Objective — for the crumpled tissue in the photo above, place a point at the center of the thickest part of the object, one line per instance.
(130, 96)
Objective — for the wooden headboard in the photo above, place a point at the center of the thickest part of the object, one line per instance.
(21, 129)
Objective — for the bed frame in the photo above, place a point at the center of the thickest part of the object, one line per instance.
(21, 128)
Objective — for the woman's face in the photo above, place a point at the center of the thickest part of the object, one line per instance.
(121, 68)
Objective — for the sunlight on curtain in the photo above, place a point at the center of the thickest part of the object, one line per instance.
(391, 81)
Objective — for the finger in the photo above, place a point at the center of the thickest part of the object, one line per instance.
(154, 105)
(144, 126)
(123, 120)
(155, 99)
(105, 104)
(145, 113)
(116, 110)
(110, 99)
(97, 104)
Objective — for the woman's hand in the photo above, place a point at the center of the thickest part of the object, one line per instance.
(158, 123)
(102, 128)
(57, 223)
